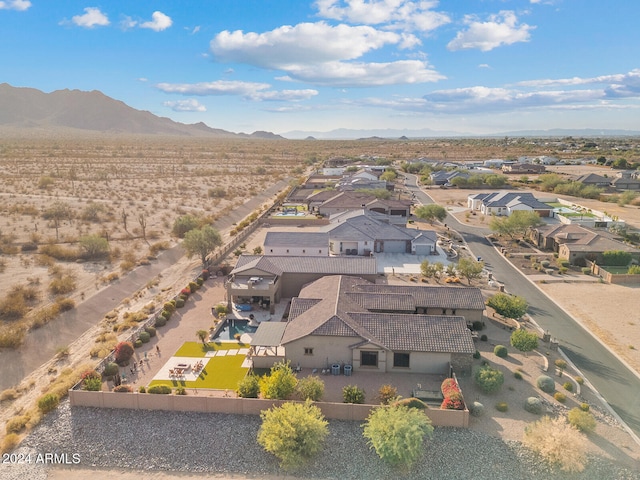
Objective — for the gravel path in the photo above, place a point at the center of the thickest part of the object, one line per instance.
(217, 444)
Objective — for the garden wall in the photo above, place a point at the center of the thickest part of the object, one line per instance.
(240, 406)
(616, 279)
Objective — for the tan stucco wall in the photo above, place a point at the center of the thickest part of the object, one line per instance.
(326, 351)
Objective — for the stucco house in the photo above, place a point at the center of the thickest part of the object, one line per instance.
(504, 203)
(593, 179)
(523, 168)
(625, 183)
(348, 321)
(364, 232)
(398, 211)
(263, 280)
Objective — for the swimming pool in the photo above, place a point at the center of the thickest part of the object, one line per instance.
(231, 327)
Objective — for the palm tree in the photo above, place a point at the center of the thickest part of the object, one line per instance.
(202, 335)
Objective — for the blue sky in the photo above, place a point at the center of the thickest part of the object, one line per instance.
(480, 66)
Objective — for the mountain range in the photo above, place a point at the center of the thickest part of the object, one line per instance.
(23, 109)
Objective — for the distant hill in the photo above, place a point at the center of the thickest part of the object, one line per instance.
(25, 109)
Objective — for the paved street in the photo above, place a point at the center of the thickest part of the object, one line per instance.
(616, 383)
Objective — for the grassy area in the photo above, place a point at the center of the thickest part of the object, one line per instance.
(615, 270)
(578, 214)
(198, 350)
(219, 373)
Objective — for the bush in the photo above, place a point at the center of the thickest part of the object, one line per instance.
(111, 369)
(17, 424)
(558, 442)
(168, 308)
(144, 337)
(137, 343)
(411, 403)
(579, 380)
(449, 386)
(249, 387)
(161, 321)
(501, 351)
(280, 383)
(560, 363)
(586, 270)
(123, 389)
(151, 331)
(180, 302)
(584, 407)
(483, 338)
(477, 325)
(293, 432)
(502, 406)
(488, 379)
(476, 409)
(352, 394)
(311, 388)
(397, 434)
(159, 389)
(534, 405)
(546, 384)
(453, 401)
(142, 389)
(48, 402)
(583, 421)
(568, 386)
(560, 397)
(181, 390)
(92, 384)
(9, 442)
(476, 355)
(517, 375)
(123, 353)
(193, 286)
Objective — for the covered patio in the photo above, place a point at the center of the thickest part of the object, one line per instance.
(266, 346)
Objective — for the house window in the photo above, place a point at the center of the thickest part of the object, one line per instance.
(304, 251)
(444, 311)
(271, 250)
(368, 359)
(308, 351)
(287, 250)
(319, 251)
(401, 359)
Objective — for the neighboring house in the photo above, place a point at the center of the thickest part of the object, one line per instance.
(594, 180)
(296, 244)
(264, 280)
(493, 163)
(321, 181)
(505, 203)
(363, 233)
(359, 183)
(523, 168)
(575, 243)
(367, 174)
(398, 211)
(443, 177)
(345, 320)
(625, 183)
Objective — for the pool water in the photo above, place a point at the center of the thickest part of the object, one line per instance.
(290, 214)
(231, 328)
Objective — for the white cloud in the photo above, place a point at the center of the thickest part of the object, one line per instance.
(127, 23)
(249, 90)
(631, 78)
(190, 105)
(305, 43)
(159, 21)
(91, 18)
(484, 65)
(356, 74)
(20, 5)
(501, 29)
(408, 15)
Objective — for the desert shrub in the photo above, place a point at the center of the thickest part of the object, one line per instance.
(560, 397)
(477, 325)
(449, 386)
(387, 394)
(142, 389)
(411, 403)
(17, 424)
(65, 304)
(9, 442)
(579, 380)
(249, 387)
(205, 274)
(48, 402)
(517, 375)
(193, 286)
(586, 270)
(534, 405)
(558, 442)
(111, 369)
(293, 432)
(200, 281)
(501, 351)
(161, 321)
(144, 337)
(184, 224)
(13, 307)
(560, 363)
(150, 330)
(476, 354)
(583, 421)
(488, 379)
(180, 390)
(60, 253)
(159, 389)
(220, 309)
(545, 263)
(453, 401)
(9, 394)
(169, 307)
(476, 409)
(397, 434)
(91, 381)
(502, 406)
(123, 389)
(352, 394)
(138, 343)
(546, 384)
(123, 353)
(483, 338)
(280, 383)
(180, 302)
(584, 407)
(310, 388)
(568, 386)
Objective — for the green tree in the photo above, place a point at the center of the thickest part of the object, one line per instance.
(617, 258)
(431, 212)
(524, 341)
(201, 241)
(488, 379)
(311, 388)
(397, 433)
(470, 269)
(509, 306)
(515, 224)
(184, 224)
(249, 387)
(94, 246)
(558, 442)
(280, 383)
(388, 176)
(202, 335)
(293, 432)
